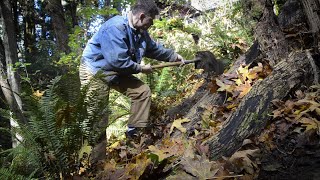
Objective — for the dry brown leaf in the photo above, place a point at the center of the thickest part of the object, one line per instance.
(168, 148)
(137, 168)
(178, 124)
(242, 161)
(244, 89)
(200, 167)
(310, 123)
(224, 87)
(160, 153)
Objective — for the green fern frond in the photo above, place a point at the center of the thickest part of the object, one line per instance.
(7, 174)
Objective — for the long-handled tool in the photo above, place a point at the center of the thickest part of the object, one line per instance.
(203, 60)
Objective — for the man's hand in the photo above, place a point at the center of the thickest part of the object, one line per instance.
(179, 59)
(146, 69)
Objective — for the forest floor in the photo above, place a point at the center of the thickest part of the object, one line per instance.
(287, 148)
(291, 143)
(296, 156)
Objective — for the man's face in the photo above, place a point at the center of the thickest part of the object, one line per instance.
(145, 22)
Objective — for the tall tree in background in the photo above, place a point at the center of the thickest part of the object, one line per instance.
(29, 26)
(10, 82)
(71, 9)
(55, 9)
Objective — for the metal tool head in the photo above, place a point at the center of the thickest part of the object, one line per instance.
(208, 62)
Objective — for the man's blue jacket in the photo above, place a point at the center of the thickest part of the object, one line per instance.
(119, 47)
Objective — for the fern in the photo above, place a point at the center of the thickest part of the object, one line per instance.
(7, 174)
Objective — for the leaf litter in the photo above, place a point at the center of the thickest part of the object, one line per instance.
(187, 157)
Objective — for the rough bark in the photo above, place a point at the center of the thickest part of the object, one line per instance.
(10, 82)
(193, 107)
(270, 37)
(5, 138)
(29, 22)
(55, 9)
(293, 68)
(253, 112)
(311, 8)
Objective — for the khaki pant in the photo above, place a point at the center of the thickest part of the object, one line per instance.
(97, 102)
(140, 95)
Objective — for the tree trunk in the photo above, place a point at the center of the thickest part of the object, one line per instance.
(253, 112)
(29, 30)
(55, 9)
(311, 8)
(9, 79)
(293, 68)
(72, 8)
(5, 137)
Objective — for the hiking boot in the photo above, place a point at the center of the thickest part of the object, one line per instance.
(140, 136)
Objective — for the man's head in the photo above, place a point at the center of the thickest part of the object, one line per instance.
(144, 11)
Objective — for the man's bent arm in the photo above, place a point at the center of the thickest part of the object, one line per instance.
(115, 51)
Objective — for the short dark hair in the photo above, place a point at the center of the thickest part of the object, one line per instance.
(149, 7)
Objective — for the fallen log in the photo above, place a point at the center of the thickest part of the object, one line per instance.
(192, 108)
(255, 109)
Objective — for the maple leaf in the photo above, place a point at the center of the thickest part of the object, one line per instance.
(254, 72)
(310, 123)
(177, 124)
(38, 93)
(200, 167)
(242, 161)
(306, 106)
(136, 168)
(244, 89)
(243, 72)
(224, 87)
(189, 152)
(160, 153)
(168, 148)
(238, 81)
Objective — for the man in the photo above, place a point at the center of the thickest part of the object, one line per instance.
(119, 46)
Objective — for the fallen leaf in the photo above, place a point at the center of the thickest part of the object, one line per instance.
(310, 123)
(81, 170)
(224, 87)
(232, 106)
(168, 148)
(238, 81)
(38, 93)
(200, 167)
(177, 124)
(136, 168)
(244, 89)
(242, 161)
(161, 154)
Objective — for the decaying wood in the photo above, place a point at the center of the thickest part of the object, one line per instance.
(193, 107)
(292, 69)
(270, 37)
(311, 8)
(253, 112)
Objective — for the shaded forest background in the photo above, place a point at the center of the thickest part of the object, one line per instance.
(259, 120)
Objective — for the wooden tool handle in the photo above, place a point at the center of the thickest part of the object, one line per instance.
(167, 64)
